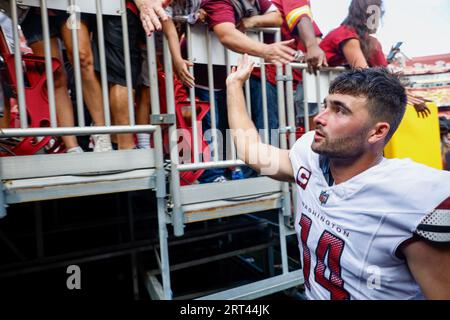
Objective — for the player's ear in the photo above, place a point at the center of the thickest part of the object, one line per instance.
(379, 132)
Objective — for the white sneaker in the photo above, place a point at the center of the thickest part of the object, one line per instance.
(143, 140)
(75, 150)
(102, 142)
(143, 147)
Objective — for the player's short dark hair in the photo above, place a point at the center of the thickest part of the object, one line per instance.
(385, 94)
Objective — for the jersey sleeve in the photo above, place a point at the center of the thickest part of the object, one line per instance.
(218, 11)
(333, 42)
(410, 196)
(295, 10)
(435, 227)
(341, 35)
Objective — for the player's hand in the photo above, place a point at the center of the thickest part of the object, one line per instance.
(150, 12)
(279, 53)
(181, 68)
(315, 58)
(419, 103)
(242, 72)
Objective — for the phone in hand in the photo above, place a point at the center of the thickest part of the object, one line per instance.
(394, 51)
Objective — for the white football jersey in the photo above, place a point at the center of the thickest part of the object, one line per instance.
(349, 233)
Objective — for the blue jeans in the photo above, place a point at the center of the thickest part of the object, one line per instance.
(257, 105)
(220, 98)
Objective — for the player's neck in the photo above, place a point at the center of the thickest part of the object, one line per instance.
(345, 169)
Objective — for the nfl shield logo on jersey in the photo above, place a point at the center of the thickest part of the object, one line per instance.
(323, 198)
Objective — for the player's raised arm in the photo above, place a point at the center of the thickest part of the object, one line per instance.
(264, 158)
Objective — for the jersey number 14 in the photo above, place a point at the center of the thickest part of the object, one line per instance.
(328, 243)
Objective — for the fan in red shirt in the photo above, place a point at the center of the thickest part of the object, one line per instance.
(298, 24)
(226, 20)
(352, 43)
(346, 38)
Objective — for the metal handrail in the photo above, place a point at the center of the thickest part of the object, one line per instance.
(64, 131)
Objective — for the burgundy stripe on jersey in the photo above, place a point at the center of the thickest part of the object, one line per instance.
(445, 205)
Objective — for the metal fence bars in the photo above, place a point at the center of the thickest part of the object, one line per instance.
(44, 177)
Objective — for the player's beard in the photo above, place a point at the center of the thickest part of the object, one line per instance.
(347, 147)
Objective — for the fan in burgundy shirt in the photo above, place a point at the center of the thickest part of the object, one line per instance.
(224, 20)
(298, 24)
(336, 45)
(353, 44)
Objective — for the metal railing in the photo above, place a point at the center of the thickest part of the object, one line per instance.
(73, 7)
(99, 8)
(178, 214)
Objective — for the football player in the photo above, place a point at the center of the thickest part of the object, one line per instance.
(368, 227)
